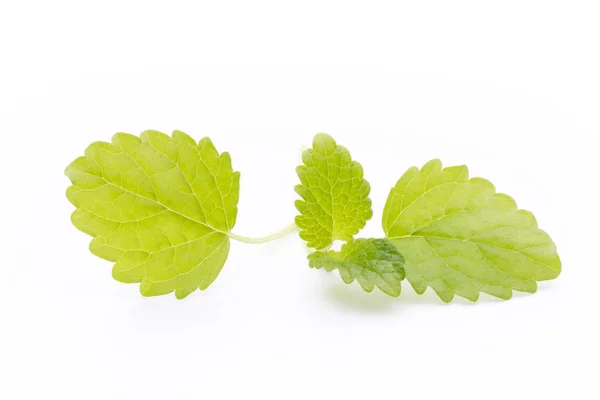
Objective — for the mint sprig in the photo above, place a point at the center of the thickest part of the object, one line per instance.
(162, 209)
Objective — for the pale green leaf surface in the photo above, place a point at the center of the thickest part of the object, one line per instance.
(160, 207)
(372, 262)
(335, 201)
(460, 237)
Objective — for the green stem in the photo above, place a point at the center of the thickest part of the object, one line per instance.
(288, 229)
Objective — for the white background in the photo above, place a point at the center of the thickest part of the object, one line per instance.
(510, 88)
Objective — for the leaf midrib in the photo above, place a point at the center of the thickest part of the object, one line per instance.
(162, 205)
(472, 242)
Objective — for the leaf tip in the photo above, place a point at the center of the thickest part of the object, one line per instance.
(432, 165)
(181, 294)
(323, 143)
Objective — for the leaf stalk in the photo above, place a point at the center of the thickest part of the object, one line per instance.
(288, 229)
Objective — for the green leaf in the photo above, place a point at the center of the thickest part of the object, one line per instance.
(160, 207)
(459, 236)
(335, 201)
(372, 262)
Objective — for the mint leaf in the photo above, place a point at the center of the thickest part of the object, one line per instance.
(160, 207)
(335, 201)
(372, 262)
(459, 236)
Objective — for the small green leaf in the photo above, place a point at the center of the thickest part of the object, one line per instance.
(461, 237)
(372, 262)
(335, 201)
(160, 207)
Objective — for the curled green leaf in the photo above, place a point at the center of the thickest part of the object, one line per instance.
(372, 262)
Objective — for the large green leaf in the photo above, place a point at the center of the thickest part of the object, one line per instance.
(372, 262)
(160, 207)
(459, 236)
(335, 201)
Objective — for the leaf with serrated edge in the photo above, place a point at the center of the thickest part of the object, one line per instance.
(335, 201)
(372, 262)
(160, 207)
(461, 237)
